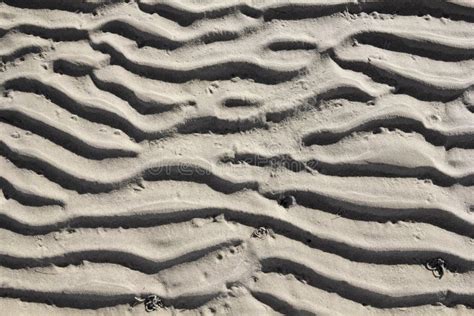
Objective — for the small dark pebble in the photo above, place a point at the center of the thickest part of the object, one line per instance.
(287, 201)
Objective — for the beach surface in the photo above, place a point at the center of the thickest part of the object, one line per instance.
(254, 157)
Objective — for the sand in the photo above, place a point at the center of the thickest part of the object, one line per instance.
(254, 157)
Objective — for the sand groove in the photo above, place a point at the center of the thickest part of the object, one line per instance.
(253, 157)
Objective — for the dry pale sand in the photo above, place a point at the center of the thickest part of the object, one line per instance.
(254, 157)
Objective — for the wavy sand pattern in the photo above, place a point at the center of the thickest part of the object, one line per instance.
(237, 157)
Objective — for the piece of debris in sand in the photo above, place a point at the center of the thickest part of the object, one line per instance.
(262, 232)
(151, 302)
(436, 266)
